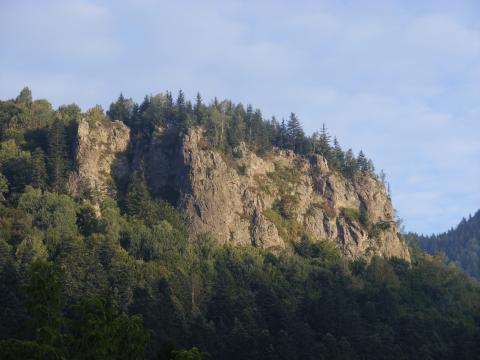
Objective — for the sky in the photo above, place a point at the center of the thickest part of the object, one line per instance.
(398, 79)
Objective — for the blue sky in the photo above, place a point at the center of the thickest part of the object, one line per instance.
(398, 79)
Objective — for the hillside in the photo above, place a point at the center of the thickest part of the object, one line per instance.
(157, 229)
(461, 244)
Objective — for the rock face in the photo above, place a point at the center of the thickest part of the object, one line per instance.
(271, 201)
(100, 157)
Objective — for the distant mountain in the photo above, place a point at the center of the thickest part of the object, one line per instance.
(461, 244)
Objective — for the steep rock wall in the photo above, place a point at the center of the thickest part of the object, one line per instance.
(100, 157)
(272, 200)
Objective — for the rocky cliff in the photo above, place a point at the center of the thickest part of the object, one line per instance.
(273, 200)
(269, 201)
(100, 158)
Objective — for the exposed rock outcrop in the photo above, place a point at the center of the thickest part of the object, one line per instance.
(273, 200)
(100, 157)
(244, 199)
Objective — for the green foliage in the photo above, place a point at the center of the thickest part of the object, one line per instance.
(3, 186)
(121, 110)
(25, 97)
(191, 354)
(94, 116)
(460, 244)
(288, 228)
(94, 329)
(57, 151)
(99, 331)
(129, 283)
(350, 214)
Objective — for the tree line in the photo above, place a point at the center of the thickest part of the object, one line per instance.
(228, 124)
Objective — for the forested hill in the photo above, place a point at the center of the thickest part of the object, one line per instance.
(123, 278)
(461, 244)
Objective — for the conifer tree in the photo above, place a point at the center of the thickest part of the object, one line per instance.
(182, 120)
(338, 157)
(199, 110)
(39, 170)
(236, 131)
(362, 162)
(295, 133)
(350, 165)
(283, 134)
(248, 123)
(56, 155)
(324, 148)
(137, 198)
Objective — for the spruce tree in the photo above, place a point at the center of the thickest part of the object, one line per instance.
(283, 135)
(324, 148)
(236, 131)
(248, 123)
(295, 133)
(138, 198)
(362, 162)
(181, 118)
(350, 165)
(199, 110)
(39, 170)
(56, 155)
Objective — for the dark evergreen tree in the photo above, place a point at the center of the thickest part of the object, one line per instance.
(295, 134)
(39, 170)
(249, 123)
(182, 118)
(350, 165)
(324, 148)
(137, 199)
(199, 110)
(236, 131)
(362, 162)
(56, 156)
(121, 110)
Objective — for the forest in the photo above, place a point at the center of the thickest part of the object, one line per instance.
(128, 283)
(460, 244)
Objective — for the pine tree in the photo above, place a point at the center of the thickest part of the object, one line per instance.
(183, 121)
(324, 148)
(56, 155)
(236, 131)
(137, 198)
(39, 170)
(295, 133)
(199, 110)
(248, 123)
(371, 167)
(169, 108)
(283, 135)
(362, 162)
(350, 165)
(338, 156)
(256, 126)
